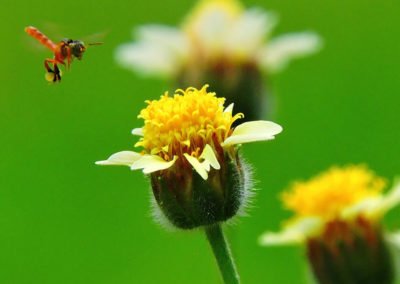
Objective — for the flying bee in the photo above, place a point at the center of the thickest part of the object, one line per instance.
(67, 49)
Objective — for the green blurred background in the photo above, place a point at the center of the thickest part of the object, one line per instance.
(65, 220)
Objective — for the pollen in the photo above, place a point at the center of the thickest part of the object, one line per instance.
(185, 123)
(329, 193)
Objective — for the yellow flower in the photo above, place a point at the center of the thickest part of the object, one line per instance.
(336, 217)
(190, 127)
(342, 194)
(193, 130)
(328, 194)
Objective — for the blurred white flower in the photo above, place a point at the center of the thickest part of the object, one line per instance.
(215, 31)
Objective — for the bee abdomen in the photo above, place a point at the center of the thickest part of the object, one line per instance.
(40, 37)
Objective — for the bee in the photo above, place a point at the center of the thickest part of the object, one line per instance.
(65, 50)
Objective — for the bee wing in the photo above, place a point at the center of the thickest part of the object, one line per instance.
(95, 37)
(32, 45)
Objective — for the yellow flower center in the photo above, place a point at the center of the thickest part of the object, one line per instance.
(185, 123)
(329, 193)
(230, 8)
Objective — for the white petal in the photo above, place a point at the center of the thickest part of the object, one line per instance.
(210, 27)
(137, 131)
(160, 50)
(146, 58)
(365, 206)
(152, 163)
(126, 158)
(253, 131)
(209, 157)
(387, 202)
(199, 167)
(249, 32)
(277, 54)
(157, 33)
(293, 234)
(170, 37)
(394, 239)
(229, 108)
(374, 207)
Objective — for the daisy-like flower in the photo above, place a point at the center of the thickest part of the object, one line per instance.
(337, 216)
(219, 42)
(190, 153)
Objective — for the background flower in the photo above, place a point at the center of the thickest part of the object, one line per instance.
(220, 43)
(337, 217)
(215, 32)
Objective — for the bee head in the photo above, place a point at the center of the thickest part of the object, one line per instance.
(77, 48)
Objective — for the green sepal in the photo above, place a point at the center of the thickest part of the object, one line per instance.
(235, 187)
(191, 201)
(169, 205)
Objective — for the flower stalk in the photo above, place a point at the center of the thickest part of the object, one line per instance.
(222, 253)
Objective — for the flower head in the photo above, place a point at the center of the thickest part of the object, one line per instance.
(184, 124)
(330, 193)
(193, 130)
(221, 43)
(216, 31)
(337, 216)
(338, 194)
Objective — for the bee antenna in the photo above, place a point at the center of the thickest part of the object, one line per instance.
(95, 43)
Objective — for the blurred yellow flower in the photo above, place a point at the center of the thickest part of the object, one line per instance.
(329, 193)
(215, 32)
(338, 194)
(337, 218)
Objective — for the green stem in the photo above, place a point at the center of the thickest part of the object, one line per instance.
(222, 254)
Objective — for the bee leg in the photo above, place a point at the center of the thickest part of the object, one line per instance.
(46, 64)
(57, 73)
(53, 75)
